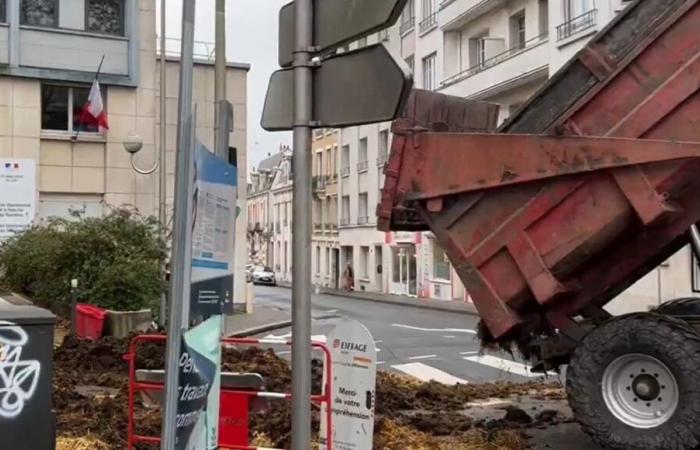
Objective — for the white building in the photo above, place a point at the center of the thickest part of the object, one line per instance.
(261, 225)
(281, 203)
(49, 53)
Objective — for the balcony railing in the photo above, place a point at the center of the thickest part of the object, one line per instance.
(318, 226)
(319, 183)
(577, 24)
(362, 166)
(344, 221)
(345, 171)
(428, 23)
(407, 25)
(363, 220)
(495, 60)
(381, 160)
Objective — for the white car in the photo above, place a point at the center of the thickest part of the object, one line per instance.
(264, 275)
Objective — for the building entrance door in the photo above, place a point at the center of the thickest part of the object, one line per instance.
(404, 279)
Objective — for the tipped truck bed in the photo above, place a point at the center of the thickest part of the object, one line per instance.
(584, 191)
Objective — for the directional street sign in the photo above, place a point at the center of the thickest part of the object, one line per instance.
(338, 22)
(355, 88)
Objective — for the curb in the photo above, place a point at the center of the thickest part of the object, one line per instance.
(274, 326)
(463, 308)
(261, 329)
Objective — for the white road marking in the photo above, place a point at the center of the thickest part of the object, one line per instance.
(413, 358)
(439, 330)
(284, 352)
(426, 373)
(469, 353)
(489, 402)
(378, 341)
(503, 364)
(449, 337)
(281, 337)
(379, 363)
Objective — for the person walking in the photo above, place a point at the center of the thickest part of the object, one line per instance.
(349, 277)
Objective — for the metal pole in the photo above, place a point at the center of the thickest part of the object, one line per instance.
(301, 228)
(695, 241)
(73, 306)
(163, 173)
(220, 76)
(182, 231)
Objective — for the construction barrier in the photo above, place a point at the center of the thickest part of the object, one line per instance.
(234, 407)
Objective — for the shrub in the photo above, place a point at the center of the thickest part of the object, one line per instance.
(116, 258)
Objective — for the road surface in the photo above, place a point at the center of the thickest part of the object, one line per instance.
(426, 344)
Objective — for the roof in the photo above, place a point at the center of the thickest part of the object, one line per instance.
(271, 162)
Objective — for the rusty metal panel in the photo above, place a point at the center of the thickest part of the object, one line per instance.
(539, 228)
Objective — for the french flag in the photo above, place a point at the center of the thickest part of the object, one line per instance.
(94, 112)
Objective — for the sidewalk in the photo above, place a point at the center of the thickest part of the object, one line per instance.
(263, 319)
(425, 303)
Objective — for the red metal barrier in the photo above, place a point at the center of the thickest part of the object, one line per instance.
(230, 411)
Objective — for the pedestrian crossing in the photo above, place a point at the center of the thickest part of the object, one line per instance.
(475, 367)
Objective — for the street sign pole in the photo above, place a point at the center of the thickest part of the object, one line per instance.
(301, 227)
(182, 231)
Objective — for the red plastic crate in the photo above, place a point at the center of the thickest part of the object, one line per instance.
(90, 321)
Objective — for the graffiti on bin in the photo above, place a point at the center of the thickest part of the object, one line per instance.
(18, 378)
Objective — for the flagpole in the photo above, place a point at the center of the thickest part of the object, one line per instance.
(97, 76)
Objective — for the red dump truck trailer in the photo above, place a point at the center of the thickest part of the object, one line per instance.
(590, 186)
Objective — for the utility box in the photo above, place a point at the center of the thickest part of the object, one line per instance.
(27, 419)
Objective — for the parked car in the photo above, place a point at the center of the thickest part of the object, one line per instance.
(264, 275)
(249, 273)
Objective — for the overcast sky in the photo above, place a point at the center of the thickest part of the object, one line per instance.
(251, 38)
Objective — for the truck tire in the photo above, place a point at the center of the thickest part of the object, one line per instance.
(633, 384)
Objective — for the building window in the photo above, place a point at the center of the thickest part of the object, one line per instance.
(543, 7)
(383, 148)
(411, 62)
(477, 50)
(345, 212)
(40, 13)
(517, 31)
(441, 265)
(105, 16)
(362, 214)
(362, 156)
(408, 17)
(429, 16)
(62, 109)
(364, 263)
(3, 11)
(345, 162)
(429, 72)
(328, 261)
(318, 260)
(579, 15)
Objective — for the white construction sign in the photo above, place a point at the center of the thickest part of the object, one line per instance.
(354, 358)
(17, 196)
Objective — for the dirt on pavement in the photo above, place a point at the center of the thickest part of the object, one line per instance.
(410, 415)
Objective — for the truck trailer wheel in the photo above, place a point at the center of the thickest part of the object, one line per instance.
(634, 384)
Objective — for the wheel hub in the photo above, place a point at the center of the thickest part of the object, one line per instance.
(646, 387)
(640, 391)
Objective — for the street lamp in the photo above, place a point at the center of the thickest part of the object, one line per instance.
(133, 144)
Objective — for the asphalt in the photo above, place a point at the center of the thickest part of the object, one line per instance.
(425, 343)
